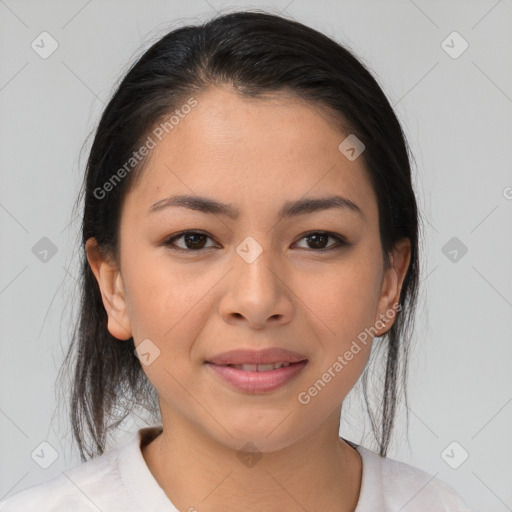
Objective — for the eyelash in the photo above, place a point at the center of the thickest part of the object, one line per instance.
(341, 242)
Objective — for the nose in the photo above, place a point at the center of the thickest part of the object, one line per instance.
(257, 293)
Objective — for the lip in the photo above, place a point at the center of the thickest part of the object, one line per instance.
(257, 382)
(248, 356)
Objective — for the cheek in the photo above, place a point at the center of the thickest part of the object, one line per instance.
(167, 303)
(164, 306)
(341, 308)
(342, 301)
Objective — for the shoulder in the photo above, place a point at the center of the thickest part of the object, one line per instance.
(400, 486)
(81, 489)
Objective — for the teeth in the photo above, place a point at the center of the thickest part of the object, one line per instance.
(259, 367)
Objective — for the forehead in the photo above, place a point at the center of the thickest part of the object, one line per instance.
(253, 151)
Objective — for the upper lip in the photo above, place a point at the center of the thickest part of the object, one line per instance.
(248, 356)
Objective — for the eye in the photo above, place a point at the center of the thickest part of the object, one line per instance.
(194, 241)
(318, 239)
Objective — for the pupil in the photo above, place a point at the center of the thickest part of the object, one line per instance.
(316, 237)
(189, 240)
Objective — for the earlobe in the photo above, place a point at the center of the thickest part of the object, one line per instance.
(110, 283)
(392, 284)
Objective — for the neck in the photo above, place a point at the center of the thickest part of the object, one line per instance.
(318, 472)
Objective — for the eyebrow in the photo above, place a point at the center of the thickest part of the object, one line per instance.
(289, 209)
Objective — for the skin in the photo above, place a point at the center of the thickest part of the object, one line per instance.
(254, 154)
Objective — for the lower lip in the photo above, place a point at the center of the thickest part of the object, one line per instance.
(257, 382)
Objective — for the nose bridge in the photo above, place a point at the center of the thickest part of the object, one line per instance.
(253, 266)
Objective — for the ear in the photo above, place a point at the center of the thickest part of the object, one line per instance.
(110, 282)
(392, 282)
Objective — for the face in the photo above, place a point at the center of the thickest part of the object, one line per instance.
(310, 281)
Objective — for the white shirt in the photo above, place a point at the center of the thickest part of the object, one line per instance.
(120, 481)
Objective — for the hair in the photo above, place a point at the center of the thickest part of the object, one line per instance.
(255, 53)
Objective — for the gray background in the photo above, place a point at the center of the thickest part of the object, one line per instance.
(457, 114)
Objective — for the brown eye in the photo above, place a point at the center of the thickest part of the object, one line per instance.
(192, 241)
(318, 240)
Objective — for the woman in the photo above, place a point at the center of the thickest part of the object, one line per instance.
(249, 231)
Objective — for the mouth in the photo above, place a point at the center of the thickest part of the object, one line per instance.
(257, 378)
(247, 367)
(260, 358)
